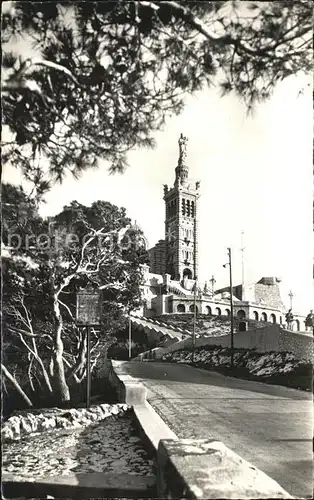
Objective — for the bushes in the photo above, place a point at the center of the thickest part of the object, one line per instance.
(273, 367)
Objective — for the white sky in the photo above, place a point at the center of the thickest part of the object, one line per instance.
(256, 175)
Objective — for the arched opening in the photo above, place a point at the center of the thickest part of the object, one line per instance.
(187, 273)
(227, 312)
(181, 308)
(272, 318)
(297, 323)
(218, 311)
(263, 316)
(255, 314)
(192, 308)
(241, 314)
(208, 310)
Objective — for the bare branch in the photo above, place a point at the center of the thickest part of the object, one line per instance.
(55, 66)
(16, 384)
(67, 308)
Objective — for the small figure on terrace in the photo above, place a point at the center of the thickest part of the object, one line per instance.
(289, 319)
(309, 321)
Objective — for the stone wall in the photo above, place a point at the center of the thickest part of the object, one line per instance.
(29, 421)
(270, 338)
(300, 345)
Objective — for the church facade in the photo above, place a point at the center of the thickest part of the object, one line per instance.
(171, 283)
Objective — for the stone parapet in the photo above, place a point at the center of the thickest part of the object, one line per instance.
(207, 469)
(151, 427)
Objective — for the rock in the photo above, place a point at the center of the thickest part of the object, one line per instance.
(104, 406)
(76, 424)
(68, 415)
(48, 423)
(25, 426)
(7, 433)
(33, 421)
(114, 410)
(62, 423)
(92, 417)
(14, 424)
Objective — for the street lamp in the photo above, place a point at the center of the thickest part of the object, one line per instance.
(194, 320)
(231, 307)
(213, 281)
(130, 336)
(88, 314)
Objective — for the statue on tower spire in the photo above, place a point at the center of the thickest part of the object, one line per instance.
(182, 149)
(182, 170)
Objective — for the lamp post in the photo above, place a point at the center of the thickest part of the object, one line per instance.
(194, 320)
(213, 281)
(88, 314)
(88, 369)
(231, 306)
(130, 336)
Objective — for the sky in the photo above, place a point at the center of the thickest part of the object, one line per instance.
(256, 176)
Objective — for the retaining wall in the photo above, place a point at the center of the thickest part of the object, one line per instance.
(269, 338)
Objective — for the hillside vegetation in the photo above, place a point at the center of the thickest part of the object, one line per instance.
(279, 368)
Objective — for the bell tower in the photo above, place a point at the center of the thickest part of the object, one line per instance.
(181, 222)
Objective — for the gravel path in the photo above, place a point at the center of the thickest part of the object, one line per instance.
(108, 446)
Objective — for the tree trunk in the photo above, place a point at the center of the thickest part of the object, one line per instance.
(62, 387)
(51, 367)
(16, 385)
(35, 355)
(43, 369)
(29, 372)
(81, 361)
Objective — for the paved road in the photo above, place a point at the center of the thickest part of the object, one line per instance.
(270, 426)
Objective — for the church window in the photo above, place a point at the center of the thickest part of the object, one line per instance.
(192, 209)
(183, 206)
(188, 208)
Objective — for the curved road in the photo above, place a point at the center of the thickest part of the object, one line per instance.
(269, 426)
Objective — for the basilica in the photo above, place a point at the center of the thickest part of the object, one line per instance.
(171, 284)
